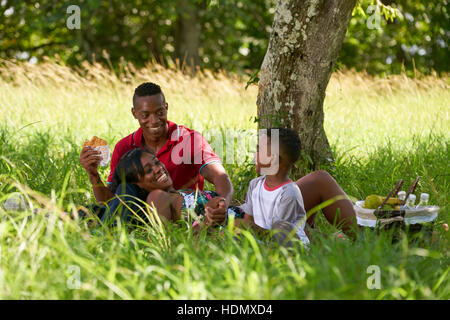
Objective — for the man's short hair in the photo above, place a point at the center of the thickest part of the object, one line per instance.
(146, 89)
(289, 140)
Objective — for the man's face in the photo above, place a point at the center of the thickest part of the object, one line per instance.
(151, 112)
(155, 176)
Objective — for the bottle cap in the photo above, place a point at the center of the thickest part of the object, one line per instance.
(424, 196)
(401, 194)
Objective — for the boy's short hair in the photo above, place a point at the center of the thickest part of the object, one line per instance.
(146, 89)
(289, 142)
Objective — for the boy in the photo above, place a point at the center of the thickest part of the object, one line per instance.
(273, 200)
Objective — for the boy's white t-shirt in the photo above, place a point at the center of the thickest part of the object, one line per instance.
(268, 205)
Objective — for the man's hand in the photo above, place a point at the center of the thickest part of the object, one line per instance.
(216, 174)
(89, 159)
(214, 202)
(215, 211)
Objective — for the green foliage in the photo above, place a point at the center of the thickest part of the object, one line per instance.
(413, 35)
(232, 34)
(388, 12)
(138, 31)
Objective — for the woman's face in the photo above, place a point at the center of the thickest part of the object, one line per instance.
(155, 174)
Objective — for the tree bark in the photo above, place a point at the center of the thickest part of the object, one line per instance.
(187, 33)
(304, 44)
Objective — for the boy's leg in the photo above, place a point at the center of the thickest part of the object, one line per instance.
(320, 186)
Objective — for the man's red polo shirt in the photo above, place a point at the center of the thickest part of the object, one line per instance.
(184, 154)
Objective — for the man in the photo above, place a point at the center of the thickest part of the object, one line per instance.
(187, 156)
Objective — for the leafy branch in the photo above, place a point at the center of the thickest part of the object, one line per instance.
(389, 13)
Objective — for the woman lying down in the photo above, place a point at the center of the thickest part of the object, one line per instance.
(141, 171)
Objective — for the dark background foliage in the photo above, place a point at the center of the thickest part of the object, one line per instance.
(226, 34)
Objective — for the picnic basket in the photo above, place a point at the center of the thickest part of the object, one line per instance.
(412, 220)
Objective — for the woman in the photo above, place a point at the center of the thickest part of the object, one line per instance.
(142, 171)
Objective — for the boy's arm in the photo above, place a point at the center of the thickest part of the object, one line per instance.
(248, 222)
(245, 222)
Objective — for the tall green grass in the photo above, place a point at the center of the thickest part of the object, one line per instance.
(380, 130)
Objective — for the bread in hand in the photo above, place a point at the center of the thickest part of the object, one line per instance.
(95, 142)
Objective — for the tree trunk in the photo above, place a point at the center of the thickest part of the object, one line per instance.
(154, 46)
(187, 33)
(304, 44)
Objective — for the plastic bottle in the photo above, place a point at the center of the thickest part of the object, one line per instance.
(411, 200)
(424, 197)
(401, 195)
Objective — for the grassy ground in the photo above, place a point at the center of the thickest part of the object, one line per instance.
(380, 130)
